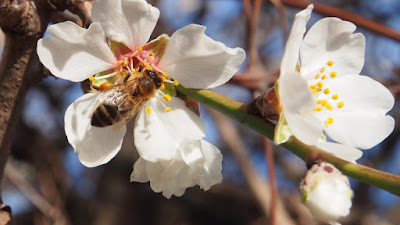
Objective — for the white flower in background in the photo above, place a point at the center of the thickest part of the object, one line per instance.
(324, 93)
(167, 134)
(326, 192)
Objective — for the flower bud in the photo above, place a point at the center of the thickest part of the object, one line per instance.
(326, 192)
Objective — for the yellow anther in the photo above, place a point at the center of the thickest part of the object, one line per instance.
(322, 69)
(163, 79)
(326, 91)
(176, 83)
(162, 86)
(126, 62)
(330, 63)
(340, 104)
(148, 67)
(328, 121)
(167, 109)
(323, 77)
(151, 54)
(148, 110)
(133, 70)
(91, 78)
(319, 101)
(320, 84)
(165, 75)
(167, 98)
(317, 76)
(333, 74)
(328, 106)
(314, 90)
(324, 102)
(139, 48)
(314, 86)
(118, 63)
(318, 108)
(335, 97)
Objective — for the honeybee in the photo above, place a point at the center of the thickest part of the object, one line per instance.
(121, 102)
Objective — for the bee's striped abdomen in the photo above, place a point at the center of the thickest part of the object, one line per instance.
(105, 115)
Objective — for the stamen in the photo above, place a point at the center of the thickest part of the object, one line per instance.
(340, 104)
(167, 109)
(320, 84)
(167, 98)
(335, 97)
(148, 67)
(317, 76)
(126, 62)
(319, 101)
(162, 86)
(323, 77)
(333, 74)
(165, 75)
(148, 110)
(330, 63)
(91, 78)
(318, 108)
(163, 79)
(328, 121)
(176, 83)
(118, 63)
(314, 90)
(328, 106)
(105, 86)
(326, 91)
(151, 53)
(139, 48)
(322, 69)
(314, 86)
(324, 102)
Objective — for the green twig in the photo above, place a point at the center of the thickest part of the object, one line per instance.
(238, 111)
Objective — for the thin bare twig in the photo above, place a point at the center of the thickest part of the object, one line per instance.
(257, 185)
(283, 20)
(269, 157)
(345, 15)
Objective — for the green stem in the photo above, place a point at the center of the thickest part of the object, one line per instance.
(238, 111)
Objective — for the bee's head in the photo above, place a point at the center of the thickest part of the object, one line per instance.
(154, 76)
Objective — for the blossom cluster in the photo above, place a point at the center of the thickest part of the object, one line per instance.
(113, 53)
(322, 94)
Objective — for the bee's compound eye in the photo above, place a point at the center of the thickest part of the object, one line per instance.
(151, 74)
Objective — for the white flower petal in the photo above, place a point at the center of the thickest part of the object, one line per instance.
(75, 53)
(95, 146)
(157, 135)
(172, 177)
(362, 121)
(298, 106)
(127, 21)
(348, 153)
(197, 61)
(332, 39)
(291, 54)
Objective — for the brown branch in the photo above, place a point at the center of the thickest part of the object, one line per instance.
(269, 157)
(23, 23)
(345, 15)
(283, 20)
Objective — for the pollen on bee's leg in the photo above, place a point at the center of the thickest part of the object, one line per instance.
(105, 86)
(148, 110)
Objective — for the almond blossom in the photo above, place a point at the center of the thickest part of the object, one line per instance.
(321, 91)
(167, 135)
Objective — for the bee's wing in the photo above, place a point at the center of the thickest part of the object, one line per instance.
(121, 97)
